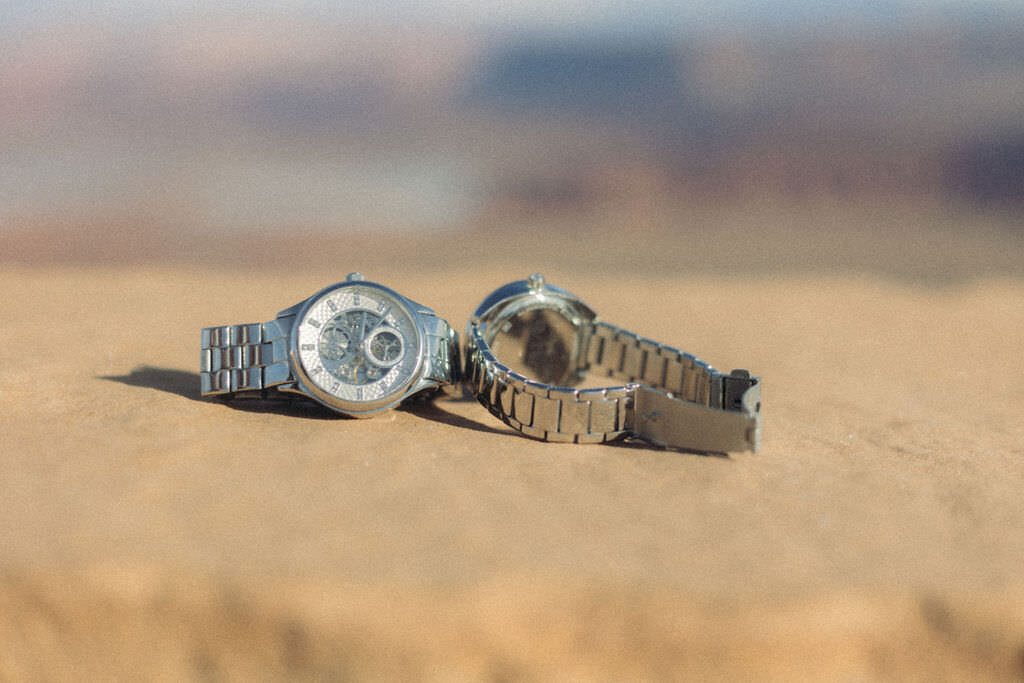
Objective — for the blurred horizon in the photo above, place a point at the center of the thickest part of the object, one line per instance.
(606, 16)
(417, 117)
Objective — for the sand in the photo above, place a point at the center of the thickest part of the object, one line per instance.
(149, 533)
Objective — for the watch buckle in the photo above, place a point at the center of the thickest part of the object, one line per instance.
(665, 420)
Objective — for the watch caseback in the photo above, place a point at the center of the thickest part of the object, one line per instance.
(536, 329)
(357, 347)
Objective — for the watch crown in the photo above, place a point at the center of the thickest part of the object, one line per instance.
(354, 277)
(535, 282)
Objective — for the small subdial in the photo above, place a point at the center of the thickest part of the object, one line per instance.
(384, 347)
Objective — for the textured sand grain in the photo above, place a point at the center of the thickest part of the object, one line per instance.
(150, 533)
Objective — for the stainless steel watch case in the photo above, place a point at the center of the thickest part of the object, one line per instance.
(534, 298)
(305, 385)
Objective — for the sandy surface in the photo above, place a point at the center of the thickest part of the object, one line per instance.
(150, 533)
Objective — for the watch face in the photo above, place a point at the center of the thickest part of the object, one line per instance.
(358, 346)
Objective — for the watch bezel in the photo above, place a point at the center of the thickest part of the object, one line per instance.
(348, 407)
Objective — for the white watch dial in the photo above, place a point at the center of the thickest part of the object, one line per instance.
(358, 343)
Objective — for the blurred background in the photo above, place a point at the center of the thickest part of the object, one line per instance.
(758, 135)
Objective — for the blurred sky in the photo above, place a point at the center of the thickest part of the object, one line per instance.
(279, 113)
(599, 15)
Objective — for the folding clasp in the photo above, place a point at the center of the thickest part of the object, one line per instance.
(663, 419)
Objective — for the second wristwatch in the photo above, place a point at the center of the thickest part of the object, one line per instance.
(530, 344)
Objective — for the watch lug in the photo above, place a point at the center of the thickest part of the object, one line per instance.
(419, 308)
(292, 311)
(279, 328)
(422, 385)
(441, 353)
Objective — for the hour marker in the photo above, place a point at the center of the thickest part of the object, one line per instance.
(359, 394)
(331, 306)
(308, 347)
(313, 321)
(355, 299)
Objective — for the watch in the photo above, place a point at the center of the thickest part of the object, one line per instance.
(529, 344)
(357, 347)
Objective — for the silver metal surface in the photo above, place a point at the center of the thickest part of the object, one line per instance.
(548, 340)
(236, 358)
(255, 359)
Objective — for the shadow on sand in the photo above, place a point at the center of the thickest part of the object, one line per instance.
(186, 384)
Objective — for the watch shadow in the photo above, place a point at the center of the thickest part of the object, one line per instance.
(635, 442)
(186, 384)
(431, 409)
(177, 382)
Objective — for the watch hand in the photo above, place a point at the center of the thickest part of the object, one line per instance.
(383, 319)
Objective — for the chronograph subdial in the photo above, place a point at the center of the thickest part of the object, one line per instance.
(348, 345)
(384, 347)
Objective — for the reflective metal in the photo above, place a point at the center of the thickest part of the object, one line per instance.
(529, 344)
(256, 359)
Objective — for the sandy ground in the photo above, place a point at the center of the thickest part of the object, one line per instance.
(148, 533)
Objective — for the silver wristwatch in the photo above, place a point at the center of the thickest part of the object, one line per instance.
(529, 344)
(357, 347)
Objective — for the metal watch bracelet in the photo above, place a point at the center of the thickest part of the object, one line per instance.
(670, 398)
(244, 358)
